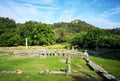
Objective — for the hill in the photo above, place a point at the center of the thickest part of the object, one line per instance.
(67, 30)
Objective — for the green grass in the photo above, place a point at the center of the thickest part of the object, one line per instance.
(32, 66)
(81, 66)
(35, 77)
(112, 66)
(55, 46)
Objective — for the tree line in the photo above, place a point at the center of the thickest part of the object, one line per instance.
(96, 38)
(14, 34)
(77, 33)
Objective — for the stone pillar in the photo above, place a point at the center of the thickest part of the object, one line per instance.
(55, 54)
(72, 48)
(68, 70)
(86, 53)
(26, 44)
(68, 61)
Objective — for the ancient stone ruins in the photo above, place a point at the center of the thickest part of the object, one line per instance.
(11, 72)
(44, 52)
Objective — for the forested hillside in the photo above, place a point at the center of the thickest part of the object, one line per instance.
(67, 30)
(76, 33)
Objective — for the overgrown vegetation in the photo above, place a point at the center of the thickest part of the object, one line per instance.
(77, 33)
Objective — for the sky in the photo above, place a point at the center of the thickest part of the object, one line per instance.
(100, 13)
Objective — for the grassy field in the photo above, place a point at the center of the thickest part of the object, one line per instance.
(32, 66)
(55, 46)
(111, 65)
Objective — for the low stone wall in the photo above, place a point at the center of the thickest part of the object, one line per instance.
(11, 72)
(52, 72)
(41, 52)
(44, 53)
(78, 56)
(101, 71)
(6, 51)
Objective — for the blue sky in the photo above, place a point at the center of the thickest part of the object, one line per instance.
(100, 13)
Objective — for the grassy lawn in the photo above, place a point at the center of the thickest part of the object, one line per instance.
(32, 66)
(112, 66)
(55, 46)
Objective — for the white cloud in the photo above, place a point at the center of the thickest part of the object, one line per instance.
(103, 23)
(50, 2)
(49, 12)
(23, 10)
(26, 12)
(66, 15)
(110, 12)
(92, 2)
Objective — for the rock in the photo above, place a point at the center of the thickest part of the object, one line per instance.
(13, 72)
(41, 72)
(109, 77)
(57, 72)
(18, 72)
(8, 72)
(46, 71)
(74, 71)
(3, 72)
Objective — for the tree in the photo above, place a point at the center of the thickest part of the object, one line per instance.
(7, 38)
(77, 40)
(37, 33)
(7, 31)
(114, 31)
(43, 34)
(94, 37)
(61, 36)
(112, 41)
(6, 24)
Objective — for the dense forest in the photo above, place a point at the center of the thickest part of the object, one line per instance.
(76, 33)
(37, 33)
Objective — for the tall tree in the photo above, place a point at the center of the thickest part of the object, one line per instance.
(94, 37)
(7, 31)
(77, 40)
(43, 34)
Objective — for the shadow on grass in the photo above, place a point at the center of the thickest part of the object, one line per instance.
(113, 54)
(79, 78)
